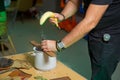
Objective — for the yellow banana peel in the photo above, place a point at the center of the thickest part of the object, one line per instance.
(47, 15)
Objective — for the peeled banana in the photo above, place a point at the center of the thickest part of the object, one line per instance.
(47, 15)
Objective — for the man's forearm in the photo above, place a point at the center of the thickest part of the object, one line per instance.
(70, 8)
(77, 33)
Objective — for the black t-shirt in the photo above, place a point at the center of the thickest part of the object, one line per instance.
(2, 8)
(110, 22)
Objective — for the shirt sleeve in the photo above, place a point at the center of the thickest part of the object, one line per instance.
(101, 2)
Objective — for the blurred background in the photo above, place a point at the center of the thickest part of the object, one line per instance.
(23, 26)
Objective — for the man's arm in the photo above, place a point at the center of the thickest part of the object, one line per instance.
(92, 17)
(70, 8)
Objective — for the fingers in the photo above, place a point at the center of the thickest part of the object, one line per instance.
(48, 45)
(59, 16)
(44, 46)
(56, 16)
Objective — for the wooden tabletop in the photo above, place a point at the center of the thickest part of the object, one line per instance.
(60, 70)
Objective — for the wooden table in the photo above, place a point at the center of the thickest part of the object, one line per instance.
(59, 71)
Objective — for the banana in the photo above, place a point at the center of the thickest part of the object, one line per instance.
(47, 15)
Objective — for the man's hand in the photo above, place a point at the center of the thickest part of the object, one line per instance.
(42, 46)
(48, 46)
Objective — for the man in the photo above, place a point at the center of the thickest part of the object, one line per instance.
(2, 22)
(102, 22)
